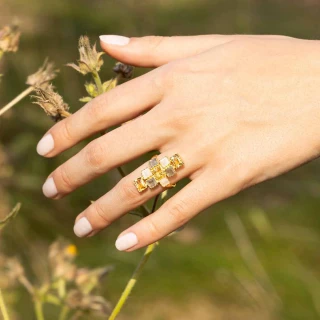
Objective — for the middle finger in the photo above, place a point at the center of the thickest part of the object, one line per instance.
(112, 150)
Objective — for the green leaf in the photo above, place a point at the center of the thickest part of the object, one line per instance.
(52, 299)
(91, 89)
(110, 84)
(10, 216)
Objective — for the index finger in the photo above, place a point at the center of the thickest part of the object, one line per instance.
(121, 104)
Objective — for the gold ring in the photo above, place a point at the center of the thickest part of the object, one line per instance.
(158, 172)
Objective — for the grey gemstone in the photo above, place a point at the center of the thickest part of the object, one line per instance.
(152, 182)
(170, 171)
(153, 162)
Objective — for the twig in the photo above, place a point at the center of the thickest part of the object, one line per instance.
(38, 307)
(64, 313)
(16, 100)
(130, 285)
(98, 82)
(10, 216)
(133, 280)
(25, 282)
(3, 308)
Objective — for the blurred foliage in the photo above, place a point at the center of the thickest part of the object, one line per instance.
(204, 271)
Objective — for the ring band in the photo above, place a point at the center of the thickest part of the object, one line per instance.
(158, 172)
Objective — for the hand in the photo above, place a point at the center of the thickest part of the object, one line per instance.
(238, 109)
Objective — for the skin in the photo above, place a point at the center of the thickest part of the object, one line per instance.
(238, 109)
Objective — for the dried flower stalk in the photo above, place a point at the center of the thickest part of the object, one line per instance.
(40, 79)
(44, 76)
(52, 103)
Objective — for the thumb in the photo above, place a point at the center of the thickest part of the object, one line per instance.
(154, 51)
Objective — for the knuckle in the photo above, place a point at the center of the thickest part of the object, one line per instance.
(158, 79)
(154, 42)
(168, 75)
(153, 228)
(178, 211)
(94, 154)
(66, 130)
(151, 49)
(173, 72)
(127, 192)
(100, 212)
(96, 106)
(240, 174)
(65, 178)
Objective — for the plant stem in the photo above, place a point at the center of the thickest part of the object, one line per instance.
(131, 283)
(3, 307)
(38, 309)
(64, 313)
(16, 100)
(98, 82)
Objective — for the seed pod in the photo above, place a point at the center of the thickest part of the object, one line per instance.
(90, 60)
(52, 103)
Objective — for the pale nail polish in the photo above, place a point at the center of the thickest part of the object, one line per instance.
(126, 241)
(82, 227)
(115, 40)
(49, 188)
(45, 145)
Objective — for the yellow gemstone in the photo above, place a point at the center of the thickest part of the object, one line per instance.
(176, 161)
(156, 169)
(159, 175)
(140, 184)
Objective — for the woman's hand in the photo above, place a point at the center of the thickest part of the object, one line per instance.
(238, 109)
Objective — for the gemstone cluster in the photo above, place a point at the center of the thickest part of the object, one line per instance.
(158, 172)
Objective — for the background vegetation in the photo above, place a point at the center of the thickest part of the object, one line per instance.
(254, 256)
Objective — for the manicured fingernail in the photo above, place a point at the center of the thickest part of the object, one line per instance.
(126, 241)
(115, 40)
(49, 188)
(82, 227)
(45, 145)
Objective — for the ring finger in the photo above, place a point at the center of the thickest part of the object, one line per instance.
(125, 197)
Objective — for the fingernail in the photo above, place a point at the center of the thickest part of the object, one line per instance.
(126, 241)
(82, 227)
(49, 188)
(115, 40)
(45, 145)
